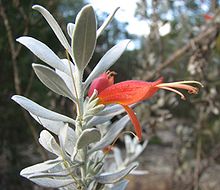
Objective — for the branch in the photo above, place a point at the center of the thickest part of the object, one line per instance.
(180, 52)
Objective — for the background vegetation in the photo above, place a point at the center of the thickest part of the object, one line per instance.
(184, 136)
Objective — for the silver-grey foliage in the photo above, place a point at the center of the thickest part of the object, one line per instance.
(80, 160)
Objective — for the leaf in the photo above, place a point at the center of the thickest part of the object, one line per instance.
(52, 183)
(67, 138)
(41, 167)
(115, 177)
(67, 78)
(52, 80)
(139, 172)
(70, 28)
(111, 110)
(84, 37)
(87, 137)
(107, 61)
(54, 26)
(138, 149)
(60, 173)
(40, 111)
(107, 21)
(117, 156)
(49, 143)
(110, 136)
(51, 125)
(43, 52)
(97, 120)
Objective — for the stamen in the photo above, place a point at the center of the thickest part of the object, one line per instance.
(173, 90)
(191, 89)
(184, 82)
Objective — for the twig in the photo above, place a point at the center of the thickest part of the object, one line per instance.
(180, 52)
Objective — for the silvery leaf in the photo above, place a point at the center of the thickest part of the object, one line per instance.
(68, 81)
(109, 178)
(69, 187)
(139, 172)
(68, 78)
(137, 152)
(61, 173)
(41, 167)
(107, 61)
(110, 136)
(70, 141)
(67, 64)
(40, 111)
(51, 125)
(53, 81)
(128, 144)
(63, 137)
(87, 137)
(117, 156)
(111, 110)
(121, 185)
(54, 26)
(107, 21)
(70, 28)
(43, 52)
(49, 143)
(67, 138)
(97, 120)
(84, 37)
(51, 182)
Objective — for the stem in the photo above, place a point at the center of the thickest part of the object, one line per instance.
(80, 123)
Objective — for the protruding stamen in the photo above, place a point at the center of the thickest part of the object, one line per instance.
(176, 91)
(180, 85)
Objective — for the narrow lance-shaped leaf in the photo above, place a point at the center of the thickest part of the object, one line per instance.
(87, 137)
(49, 143)
(51, 125)
(113, 132)
(43, 52)
(51, 182)
(64, 172)
(54, 26)
(41, 167)
(117, 176)
(98, 120)
(84, 37)
(70, 28)
(107, 21)
(107, 61)
(40, 111)
(52, 80)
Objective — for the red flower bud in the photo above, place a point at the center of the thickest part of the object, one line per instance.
(102, 82)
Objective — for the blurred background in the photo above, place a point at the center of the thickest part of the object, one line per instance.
(176, 39)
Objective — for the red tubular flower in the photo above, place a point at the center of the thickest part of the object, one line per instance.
(133, 91)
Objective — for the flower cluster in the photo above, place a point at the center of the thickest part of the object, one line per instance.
(81, 159)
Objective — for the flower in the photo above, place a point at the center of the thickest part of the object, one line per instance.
(130, 92)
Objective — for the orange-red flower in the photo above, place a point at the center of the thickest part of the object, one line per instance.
(133, 91)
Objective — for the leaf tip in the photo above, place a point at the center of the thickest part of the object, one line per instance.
(36, 7)
(14, 97)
